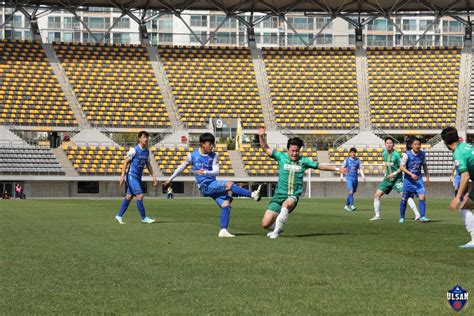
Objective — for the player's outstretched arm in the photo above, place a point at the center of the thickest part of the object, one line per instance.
(178, 171)
(262, 132)
(332, 168)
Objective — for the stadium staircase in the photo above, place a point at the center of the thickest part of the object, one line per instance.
(323, 158)
(263, 89)
(65, 163)
(362, 89)
(465, 90)
(237, 164)
(471, 104)
(65, 86)
(163, 82)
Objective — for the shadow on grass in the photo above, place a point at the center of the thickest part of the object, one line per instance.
(314, 235)
(248, 234)
(173, 222)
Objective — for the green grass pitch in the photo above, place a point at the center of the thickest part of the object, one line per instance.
(70, 257)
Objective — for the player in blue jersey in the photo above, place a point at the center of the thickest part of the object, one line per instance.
(455, 179)
(413, 161)
(132, 170)
(205, 167)
(354, 166)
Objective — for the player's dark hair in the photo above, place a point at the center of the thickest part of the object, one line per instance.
(389, 138)
(450, 135)
(353, 150)
(207, 137)
(408, 141)
(141, 133)
(296, 141)
(415, 139)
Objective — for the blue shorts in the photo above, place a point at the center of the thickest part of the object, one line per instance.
(417, 187)
(351, 184)
(457, 182)
(134, 185)
(216, 190)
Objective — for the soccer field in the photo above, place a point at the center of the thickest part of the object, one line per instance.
(69, 256)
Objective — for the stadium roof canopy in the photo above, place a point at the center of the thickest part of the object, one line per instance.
(331, 7)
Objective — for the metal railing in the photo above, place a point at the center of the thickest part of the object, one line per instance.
(344, 138)
(434, 140)
(382, 134)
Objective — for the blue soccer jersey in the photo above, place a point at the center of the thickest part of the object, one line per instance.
(457, 179)
(138, 158)
(208, 163)
(207, 182)
(414, 163)
(353, 166)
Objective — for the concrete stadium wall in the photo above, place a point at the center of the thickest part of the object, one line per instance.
(58, 189)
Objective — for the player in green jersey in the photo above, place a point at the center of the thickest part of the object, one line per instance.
(291, 168)
(463, 157)
(393, 179)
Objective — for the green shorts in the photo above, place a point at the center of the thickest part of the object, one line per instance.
(277, 201)
(386, 186)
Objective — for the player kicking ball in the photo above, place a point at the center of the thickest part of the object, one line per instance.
(291, 168)
(205, 167)
(137, 158)
(393, 179)
(412, 163)
(354, 166)
(463, 158)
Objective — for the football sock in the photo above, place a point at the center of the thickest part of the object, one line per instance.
(238, 191)
(468, 219)
(377, 206)
(123, 208)
(141, 208)
(412, 205)
(403, 206)
(422, 207)
(225, 217)
(350, 199)
(281, 220)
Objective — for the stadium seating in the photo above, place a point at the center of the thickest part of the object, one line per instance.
(371, 158)
(413, 88)
(28, 160)
(313, 88)
(439, 162)
(169, 158)
(30, 94)
(115, 85)
(213, 82)
(99, 160)
(257, 163)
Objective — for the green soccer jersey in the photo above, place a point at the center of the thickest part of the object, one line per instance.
(392, 163)
(463, 158)
(290, 178)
